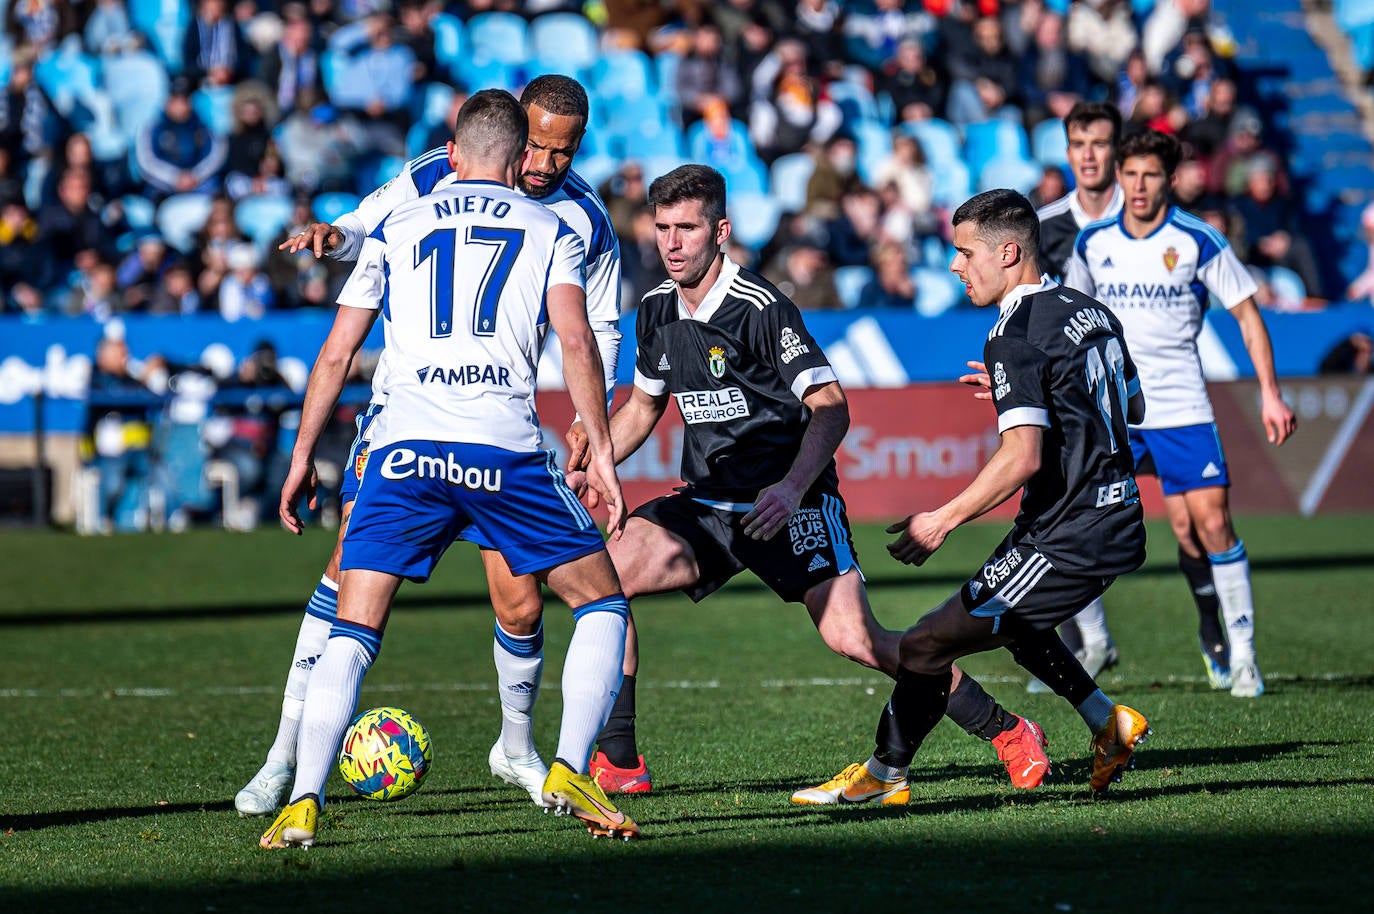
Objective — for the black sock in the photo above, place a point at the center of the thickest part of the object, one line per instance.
(916, 706)
(617, 738)
(1071, 635)
(1209, 630)
(975, 710)
(1047, 658)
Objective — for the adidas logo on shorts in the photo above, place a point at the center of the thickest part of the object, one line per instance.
(817, 563)
(1210, 471)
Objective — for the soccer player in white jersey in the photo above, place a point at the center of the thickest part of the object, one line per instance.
(1093, 133)
(1155, 266)
(468, 280)
(558, 110)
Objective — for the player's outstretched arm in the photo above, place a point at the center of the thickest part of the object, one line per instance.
(320, 238)
(775, 505)
(351, 326)
(1014, 462)
(1279, 421)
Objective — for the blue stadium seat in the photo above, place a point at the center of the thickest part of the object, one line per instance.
(1019, 174)
(790, 174)
(564, 42)
(656, 166)
(653, 138)
(6, 60)
(139, 212)
(438, 99)
(1049, 144)
(163, 21)
(939, 140)
(850, 283)
(449, 41)
(137, 85)
(491, 74)
(595, 168)
(855, 101)
(180, 217)
(875, 146)
(626, 74)
(937, 291)
(67, 75)
(215, 106)
(954, 184)
(753, 217)
(500, 37)
(262, 217)
(332, 66)
(993, 139)
(746, 177)
(329, 207)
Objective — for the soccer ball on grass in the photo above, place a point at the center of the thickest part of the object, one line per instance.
(385, 754)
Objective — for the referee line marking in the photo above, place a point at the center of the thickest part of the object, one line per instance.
(870, 683)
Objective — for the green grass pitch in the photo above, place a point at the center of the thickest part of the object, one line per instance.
(141, 682)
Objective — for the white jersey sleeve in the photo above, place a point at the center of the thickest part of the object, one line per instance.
(366, 285)
(1226, 278)
(568, 256)
(417, 178)
(1077, 275)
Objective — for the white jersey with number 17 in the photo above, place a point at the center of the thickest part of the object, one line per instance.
(460, 276)
(1158, 287)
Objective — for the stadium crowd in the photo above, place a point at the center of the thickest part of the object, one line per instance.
(152, 155)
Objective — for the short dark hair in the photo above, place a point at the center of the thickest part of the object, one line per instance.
(691, 182)
(561, 95)
(1151, 143)
(491, 127)
(1084, 113)
(1002, 215)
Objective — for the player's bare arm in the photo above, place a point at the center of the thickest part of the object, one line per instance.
(1279, 421)
(320, 239)
(567, 305)
(1014, 462)
(351, 326)
(829, 422)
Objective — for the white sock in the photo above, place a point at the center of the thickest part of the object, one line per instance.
(883, 772)
(1092, 622)
(330, 703)
(310, 641)
(1096, 711)
(519, 666)
(591, 677)
(1231, 575)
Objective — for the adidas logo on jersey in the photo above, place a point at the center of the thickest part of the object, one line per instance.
(663, 363)
(1210, 471)
(1108, 263)
(817, 563)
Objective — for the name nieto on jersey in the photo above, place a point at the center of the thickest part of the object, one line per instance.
(698, 406)
(1085, 321)
(472, 203)
(495, 375)
(403, 463)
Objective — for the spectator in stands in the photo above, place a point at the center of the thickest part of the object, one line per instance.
(439, 134)
(1190, 72)
(836, 174)
(245, 294)
(1230, 166)
(254, 427)
(1362, 287)
(1053, 77)
(985, 77)
(704, 76)
(141, 270)
(625, 194)
(40, 24)
(1052, 186)
(28, 125)
(906, 168)
(376, 84)
(417, 34)
(1352, 355)
(176, 294)
(819, 24)
(108, 30)
(250, 133)
(851, 235)
(792, 114)
(1166, 26)
(118, 428)
(803, 273)
(720, 141)
(891, 285)
(1130, 81)
(177, 152)
(1190, 186)
(918, 88)
(11, 178)
(1273, 234)
(319, 145)
(213, 51)
(71, 225)
(26, 270)
(872, 36)
(107, 179)
(95, 292)
(1207, 133)
(1104, 33)
(293, 66)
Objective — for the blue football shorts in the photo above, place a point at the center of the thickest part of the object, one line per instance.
(357, 454)
(1184, 458)
(417, 497)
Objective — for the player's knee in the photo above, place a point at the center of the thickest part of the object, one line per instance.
(921, 650)
(1214, 530)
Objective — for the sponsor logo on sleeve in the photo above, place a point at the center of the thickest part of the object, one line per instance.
(999, 379)
(792, 345)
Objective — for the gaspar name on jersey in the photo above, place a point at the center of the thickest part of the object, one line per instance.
(1084, 321)
(723, 405)
(403, 463)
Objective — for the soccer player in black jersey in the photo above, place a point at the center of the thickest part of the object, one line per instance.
(764, 414)
(1064, 387)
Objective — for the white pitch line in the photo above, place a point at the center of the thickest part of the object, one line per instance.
(815, 682)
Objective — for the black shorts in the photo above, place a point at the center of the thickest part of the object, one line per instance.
(814, 547)
(1018, 581)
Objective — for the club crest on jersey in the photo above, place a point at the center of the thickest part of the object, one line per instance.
(715, 360)
(360, 463)
(1170, 258)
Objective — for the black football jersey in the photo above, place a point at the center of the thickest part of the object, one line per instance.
(738, 369)
(1058, 359)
